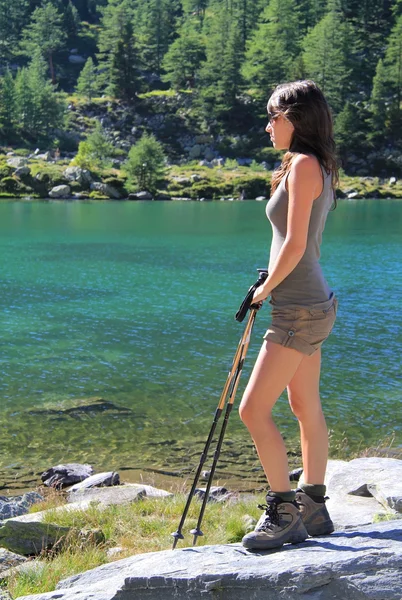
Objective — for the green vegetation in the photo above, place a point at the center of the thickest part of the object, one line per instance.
(145, 166)
(143, 526)
(229, 55)
(96, 151)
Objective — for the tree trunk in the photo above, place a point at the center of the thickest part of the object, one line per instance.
(52, 69)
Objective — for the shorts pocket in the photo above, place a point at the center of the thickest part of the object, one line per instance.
(322, 321)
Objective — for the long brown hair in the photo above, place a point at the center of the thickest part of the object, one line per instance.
(304, 104)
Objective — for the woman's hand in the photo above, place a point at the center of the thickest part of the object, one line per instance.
(260, 294)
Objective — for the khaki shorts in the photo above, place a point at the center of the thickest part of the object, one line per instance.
(302, 328)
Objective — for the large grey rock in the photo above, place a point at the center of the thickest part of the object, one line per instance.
(17, 162)
(29, 538)
(8, 560)
(17, 505)
(121, 494)
(22, 171)
(141, 196)
(360, 565)
(351, 502)
(97, 480)
(81, 176)
(68, 474)
(81, 500)
(105, 189)
(382, 476)
(60, 191)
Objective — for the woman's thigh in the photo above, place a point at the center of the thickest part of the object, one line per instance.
(275, 367)
(304, 387)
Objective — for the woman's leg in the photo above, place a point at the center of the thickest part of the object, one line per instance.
(304, 399)
(275, 367)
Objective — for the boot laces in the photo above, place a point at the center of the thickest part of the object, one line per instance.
(271, 515)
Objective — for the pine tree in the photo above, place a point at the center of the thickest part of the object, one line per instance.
(24, 101)
(156, 28)
(220, 78)
(13, 16)
(328, 51)
(88, 84)
(39, 108)
(273, 47)
(124, 75)
(350, 129)
(184, 58)
(372, 22)
(195, 7)
(393, 62)
(378, 104)
(118, 56)
(46, 33)
(7, 104)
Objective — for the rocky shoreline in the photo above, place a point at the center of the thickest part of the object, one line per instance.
(363, 559)
(47, 176)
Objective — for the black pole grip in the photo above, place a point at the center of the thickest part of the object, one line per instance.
(245, 305)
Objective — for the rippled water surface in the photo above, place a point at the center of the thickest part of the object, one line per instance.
(134, 303)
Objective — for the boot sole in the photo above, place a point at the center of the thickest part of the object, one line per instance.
(295, 538)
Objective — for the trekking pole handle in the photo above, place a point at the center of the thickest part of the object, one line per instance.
(247, 302)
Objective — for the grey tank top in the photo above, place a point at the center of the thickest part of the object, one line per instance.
(306, 284)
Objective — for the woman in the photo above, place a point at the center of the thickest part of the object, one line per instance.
(303, 314)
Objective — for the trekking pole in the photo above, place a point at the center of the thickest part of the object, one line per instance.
(230, 388)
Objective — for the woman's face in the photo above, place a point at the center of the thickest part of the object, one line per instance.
(280, 129)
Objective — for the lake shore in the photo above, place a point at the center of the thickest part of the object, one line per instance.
(31, 177)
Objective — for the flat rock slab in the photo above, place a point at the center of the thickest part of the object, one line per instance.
(359, 565)
(382, 477)
(121, 494)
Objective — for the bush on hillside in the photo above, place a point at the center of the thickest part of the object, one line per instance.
(145, 166)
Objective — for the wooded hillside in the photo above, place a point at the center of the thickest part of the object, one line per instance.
(224, 56)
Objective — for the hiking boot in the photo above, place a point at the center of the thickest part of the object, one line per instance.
(315, 515)
(280, 524)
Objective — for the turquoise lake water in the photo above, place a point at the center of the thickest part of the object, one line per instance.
(134, 303)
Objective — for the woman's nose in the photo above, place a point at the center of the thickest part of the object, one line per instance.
(268, 127)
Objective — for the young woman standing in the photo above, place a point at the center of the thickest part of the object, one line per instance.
(303, 314)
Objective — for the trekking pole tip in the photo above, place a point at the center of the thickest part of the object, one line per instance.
(177, 536)
(196, 533)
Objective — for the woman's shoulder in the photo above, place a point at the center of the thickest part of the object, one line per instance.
(306, 161)
(306, 165)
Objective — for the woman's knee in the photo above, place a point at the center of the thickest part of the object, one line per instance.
(251, 412)
(303, 408)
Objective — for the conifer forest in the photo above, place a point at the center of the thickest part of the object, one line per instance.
(202, 67)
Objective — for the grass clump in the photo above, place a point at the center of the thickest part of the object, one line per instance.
(143, 526)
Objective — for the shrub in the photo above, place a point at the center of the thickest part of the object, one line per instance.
(251, 187)
(145, 166)
(95, 151)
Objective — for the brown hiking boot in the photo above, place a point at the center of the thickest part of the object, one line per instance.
(280, 524)
(315, 515)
